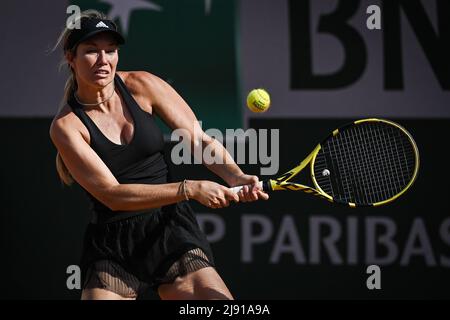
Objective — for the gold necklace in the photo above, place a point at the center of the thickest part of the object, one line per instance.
(94, 104)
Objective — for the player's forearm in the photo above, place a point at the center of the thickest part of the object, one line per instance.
(129, 197)
(223, 165)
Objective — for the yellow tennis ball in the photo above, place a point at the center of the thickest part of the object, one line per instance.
(258, 100)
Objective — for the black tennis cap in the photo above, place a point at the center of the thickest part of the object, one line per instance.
(90, 27)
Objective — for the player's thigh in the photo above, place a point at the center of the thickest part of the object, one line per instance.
(101, 294)
(203, 284)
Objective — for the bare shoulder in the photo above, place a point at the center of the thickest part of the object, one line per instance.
(138, 81)
(144, 86)
(66, 123)
(63, 120)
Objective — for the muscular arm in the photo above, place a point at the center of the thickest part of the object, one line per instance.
(94, 176)
(172, 108)
(89, 170)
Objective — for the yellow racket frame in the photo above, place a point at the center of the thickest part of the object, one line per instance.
(282, 182)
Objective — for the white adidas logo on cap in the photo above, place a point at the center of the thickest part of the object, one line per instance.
(101, 24)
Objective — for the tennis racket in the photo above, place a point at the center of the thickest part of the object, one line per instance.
(369, 162)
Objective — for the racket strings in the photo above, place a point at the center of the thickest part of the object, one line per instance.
(388, 176)
(367, 163)
(391, 174)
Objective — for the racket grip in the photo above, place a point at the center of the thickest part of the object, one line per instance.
(238, 188)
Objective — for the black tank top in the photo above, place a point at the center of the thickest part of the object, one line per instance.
(139, 161)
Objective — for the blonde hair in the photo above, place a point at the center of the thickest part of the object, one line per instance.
(71, 84)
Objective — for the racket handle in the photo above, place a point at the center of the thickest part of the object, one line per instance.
(238, 188)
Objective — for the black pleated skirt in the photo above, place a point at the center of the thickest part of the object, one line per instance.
(147, 245)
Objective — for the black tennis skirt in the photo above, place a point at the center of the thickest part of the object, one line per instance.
(146, 245)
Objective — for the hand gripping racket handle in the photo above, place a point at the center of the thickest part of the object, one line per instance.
(264, 185)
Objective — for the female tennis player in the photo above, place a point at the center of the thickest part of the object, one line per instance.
(143, 234)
